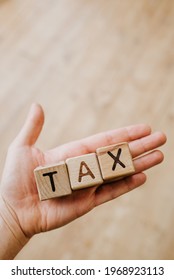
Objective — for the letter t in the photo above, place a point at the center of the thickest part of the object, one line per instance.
(50, 174)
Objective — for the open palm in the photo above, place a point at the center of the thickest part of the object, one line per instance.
(18, 187)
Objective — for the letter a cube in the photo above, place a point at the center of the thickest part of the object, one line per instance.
(84, 171)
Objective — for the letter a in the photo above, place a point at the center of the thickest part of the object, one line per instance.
(81, 174)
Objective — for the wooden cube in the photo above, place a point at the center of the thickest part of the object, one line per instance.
(84, 171)
(115, 161)
(52, 181)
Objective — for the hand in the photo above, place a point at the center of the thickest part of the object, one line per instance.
(18, 187)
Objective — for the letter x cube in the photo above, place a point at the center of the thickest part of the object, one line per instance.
(115, 161)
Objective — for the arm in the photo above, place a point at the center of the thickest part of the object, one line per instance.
(23, 215)
(12, 237)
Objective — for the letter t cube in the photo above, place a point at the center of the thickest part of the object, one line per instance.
(52, 181)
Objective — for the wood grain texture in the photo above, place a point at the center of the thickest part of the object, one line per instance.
(115, 161)
(52, 181)
(94, 66)
(84, 171)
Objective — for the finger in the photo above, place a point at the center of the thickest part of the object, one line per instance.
(146, 144)
(32, 126)
(111, 191)
(90, 144)
(147, 161)
(125, 134)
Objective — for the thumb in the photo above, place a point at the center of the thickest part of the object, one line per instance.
(32, 126)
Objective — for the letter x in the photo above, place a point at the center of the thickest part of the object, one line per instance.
(116, 159)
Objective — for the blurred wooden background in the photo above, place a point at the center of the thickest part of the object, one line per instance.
(94, 65)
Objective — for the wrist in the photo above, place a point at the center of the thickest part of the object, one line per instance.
(13, 238)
